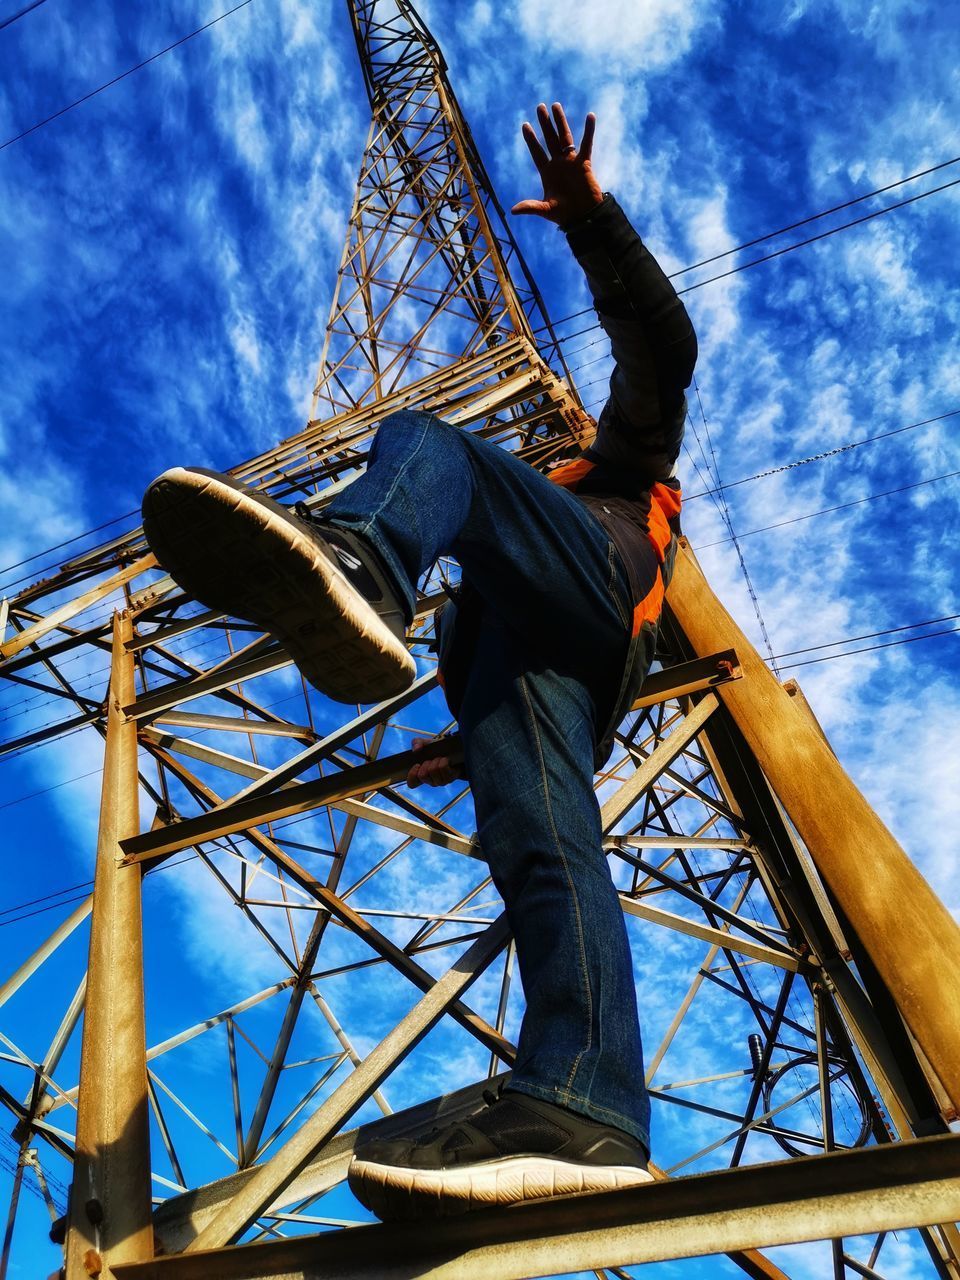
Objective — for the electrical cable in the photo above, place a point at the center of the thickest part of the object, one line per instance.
(842, 506)
(770, 235)
(23, 12)
(872, 635)
(66, 543)
(844, 226)
(814, 217)
(122, 76)
(930, 635)
(725, 516)
(828, 453)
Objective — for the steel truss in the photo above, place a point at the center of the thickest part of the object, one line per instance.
(753, 877)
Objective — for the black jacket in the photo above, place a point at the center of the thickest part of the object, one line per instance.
(628, 474)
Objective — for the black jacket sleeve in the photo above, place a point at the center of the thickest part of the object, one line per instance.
(652, 340)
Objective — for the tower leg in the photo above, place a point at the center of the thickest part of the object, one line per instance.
(907, 931)
(110, 1201)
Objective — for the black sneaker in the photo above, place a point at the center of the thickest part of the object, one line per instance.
(516, 1150)
(320, 590)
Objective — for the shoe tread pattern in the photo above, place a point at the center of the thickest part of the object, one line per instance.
(394, 1193)
(245, 557)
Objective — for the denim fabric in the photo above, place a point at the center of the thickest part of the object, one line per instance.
(547, 669)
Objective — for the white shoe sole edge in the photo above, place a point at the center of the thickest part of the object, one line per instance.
(392, 1191)
(235, 553)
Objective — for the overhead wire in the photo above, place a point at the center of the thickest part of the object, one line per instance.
(724, 510)
(891, 644)
(14, 17)
(66, 543)
(872, 635)
(24, 133)
(841, 506)
(770, 235)
(828, 453)
(844, 226)
(586, 310)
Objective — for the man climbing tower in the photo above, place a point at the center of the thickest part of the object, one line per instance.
(553, 631)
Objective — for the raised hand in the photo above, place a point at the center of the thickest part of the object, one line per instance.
(436, 772)
(570, 189)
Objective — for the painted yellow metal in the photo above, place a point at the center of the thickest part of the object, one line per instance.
(110, 1201)
(908, 932)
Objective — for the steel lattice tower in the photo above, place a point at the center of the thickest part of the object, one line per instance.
(737, 842)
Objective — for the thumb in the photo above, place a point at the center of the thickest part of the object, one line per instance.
(532, 206)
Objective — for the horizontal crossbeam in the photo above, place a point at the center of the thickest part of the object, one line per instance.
(844, 1193)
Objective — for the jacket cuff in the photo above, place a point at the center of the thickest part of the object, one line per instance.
(605, 225)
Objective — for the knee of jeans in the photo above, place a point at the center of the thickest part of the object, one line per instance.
(412, 420)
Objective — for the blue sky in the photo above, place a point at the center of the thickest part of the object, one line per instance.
(168, 253)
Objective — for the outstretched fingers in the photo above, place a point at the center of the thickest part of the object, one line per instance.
(564, 132)
(586, 142)
(547, 129)
(570, 188)
(540, 157)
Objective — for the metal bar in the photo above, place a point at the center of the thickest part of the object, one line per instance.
(11, 1215)
(347, 1044)
(655, 764)
(72, 607)
(233, 724)
(247, 1146)
(755, 950)
(47, 948)
(259, 809)
(112, 1163)
(51, 1059)
(809, 1198)
(916, 947)
(266, 1184)
(688, 677)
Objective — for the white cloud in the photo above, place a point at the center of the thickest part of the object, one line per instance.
(657, 33)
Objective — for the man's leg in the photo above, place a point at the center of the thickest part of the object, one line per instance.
(336, 588)
(575, 1114)
(529, 736)
(533, 551)
(554, 631)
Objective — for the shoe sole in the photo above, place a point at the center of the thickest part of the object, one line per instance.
(394, 1193)
(241, 555)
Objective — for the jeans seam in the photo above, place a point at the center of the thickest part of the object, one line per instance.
(539, 1090)
(396, 480)
(584, 975)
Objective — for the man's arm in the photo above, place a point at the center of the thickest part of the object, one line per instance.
(652, 340)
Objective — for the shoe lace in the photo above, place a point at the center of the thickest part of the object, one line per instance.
(490, 1097)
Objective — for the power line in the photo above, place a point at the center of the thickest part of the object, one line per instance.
(123, 75)
(748, 244)
(590, 328)
(28, 9)
(891, 644)
(873, 635)
(770, 235)
(66, 543)
(828, 453)
(725, 516)
(778, 253)
(842, 506)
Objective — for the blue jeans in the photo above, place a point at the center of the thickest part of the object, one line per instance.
(551, 650)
